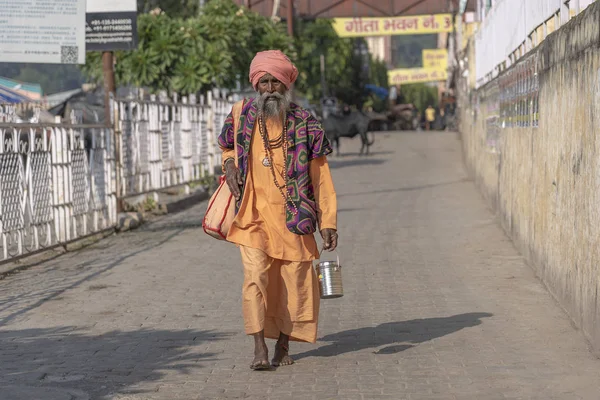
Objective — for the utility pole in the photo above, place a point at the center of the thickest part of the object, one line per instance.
(109, 93)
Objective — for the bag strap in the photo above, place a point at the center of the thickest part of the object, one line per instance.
(237, 112)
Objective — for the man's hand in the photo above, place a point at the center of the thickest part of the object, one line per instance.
(233, 177)
(330, 239)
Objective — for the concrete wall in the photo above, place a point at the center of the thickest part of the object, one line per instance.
(544, 181)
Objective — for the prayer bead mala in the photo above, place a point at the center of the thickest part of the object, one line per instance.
(268, 162)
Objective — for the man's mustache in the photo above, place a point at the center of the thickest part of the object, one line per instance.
(272, 96)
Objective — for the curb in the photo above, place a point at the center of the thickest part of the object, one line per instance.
(186, 202)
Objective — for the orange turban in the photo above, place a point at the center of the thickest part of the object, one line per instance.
(273, 62)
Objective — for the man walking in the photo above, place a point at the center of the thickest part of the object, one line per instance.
(284, 192)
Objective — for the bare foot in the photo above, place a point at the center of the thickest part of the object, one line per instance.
(282, 349)
(261, 359)
(261, 354)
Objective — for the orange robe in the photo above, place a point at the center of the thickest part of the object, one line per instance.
(280, 292)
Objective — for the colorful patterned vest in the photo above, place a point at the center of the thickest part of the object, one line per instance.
(307, 141)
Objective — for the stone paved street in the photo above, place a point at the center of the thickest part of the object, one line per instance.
(438, 304)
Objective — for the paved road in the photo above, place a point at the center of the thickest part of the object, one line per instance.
(438, 305)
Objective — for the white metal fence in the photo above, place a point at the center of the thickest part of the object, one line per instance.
(59, 182)
(169, 143)
(56, 184)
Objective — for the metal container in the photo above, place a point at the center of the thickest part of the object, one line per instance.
(330, 279)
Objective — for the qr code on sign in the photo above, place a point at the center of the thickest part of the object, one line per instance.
(69, 54)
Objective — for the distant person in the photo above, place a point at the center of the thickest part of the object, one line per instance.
(285, 193)
(429, 117)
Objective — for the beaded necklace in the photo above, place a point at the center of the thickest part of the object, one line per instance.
(268, 161)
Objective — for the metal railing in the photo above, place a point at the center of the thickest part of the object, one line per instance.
(59, 181)
(168, 143)
(56, 185)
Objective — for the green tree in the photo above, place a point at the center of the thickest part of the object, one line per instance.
(215, 48)
(351, 89)
(313, 39)
(193, 55)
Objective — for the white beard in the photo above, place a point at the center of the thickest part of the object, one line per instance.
(274, 104)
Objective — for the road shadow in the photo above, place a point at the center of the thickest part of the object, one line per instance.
(406, 189)
(355, 162)
(192, 223)
(396, 336)
(100, 365)
(343, 210)
(334, 156)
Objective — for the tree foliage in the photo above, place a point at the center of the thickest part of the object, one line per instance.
(314, 38)
(215, 48)
(194, 54)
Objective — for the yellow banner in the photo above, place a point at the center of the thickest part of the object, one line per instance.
(406, 76)
(435, 58)
(411, 25)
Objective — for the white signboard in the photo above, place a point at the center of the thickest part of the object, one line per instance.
(103, 6)
(42, 31)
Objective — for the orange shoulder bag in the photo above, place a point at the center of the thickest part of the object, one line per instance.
(221, 206)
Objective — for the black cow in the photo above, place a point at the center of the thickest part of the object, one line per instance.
(349, 124)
